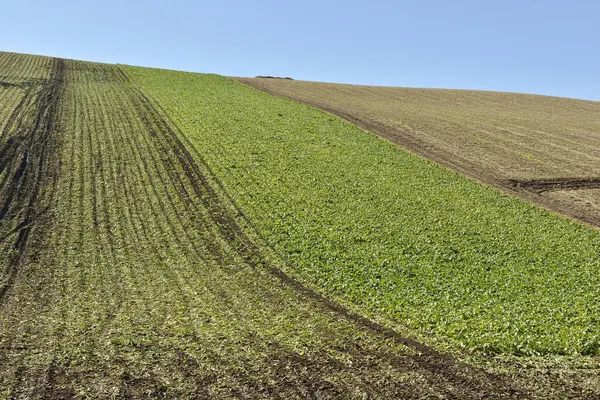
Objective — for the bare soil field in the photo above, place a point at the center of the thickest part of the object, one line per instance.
(545, 149)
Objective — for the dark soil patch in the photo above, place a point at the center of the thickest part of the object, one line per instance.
(544, 185)
(274, 77)
(8, 84)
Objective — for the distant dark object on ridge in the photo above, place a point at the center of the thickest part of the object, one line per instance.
(274, 77)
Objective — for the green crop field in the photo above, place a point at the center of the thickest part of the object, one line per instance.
(389, 231)
(178, 235)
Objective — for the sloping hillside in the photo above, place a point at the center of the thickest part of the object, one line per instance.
(177, 235)
(544, 149)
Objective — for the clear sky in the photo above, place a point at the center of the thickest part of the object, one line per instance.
(534, 46)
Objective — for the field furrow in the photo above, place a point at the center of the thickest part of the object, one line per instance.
(23, 70)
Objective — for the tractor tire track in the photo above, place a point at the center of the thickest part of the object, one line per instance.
(229, 229)
(543, 185)
(28, 154)
(169, 167)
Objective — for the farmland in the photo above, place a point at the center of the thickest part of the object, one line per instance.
(516, 142)
(388, 231)
(125, 273)
(179, 235)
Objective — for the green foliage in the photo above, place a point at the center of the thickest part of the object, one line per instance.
(394, 234)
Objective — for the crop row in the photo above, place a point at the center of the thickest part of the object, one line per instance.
(21, 68)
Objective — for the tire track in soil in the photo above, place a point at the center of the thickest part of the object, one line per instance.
(544, 185)
(171, 166)
(474, 384)
(49, 387)
(229, 229)
(151, 168)
(29, 154)
(167, 166)
(9, 84)
(30, 140)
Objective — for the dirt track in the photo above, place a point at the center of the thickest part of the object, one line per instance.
(539, 148)
(543, 185)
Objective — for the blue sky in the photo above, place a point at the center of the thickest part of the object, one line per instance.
(534, 46)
